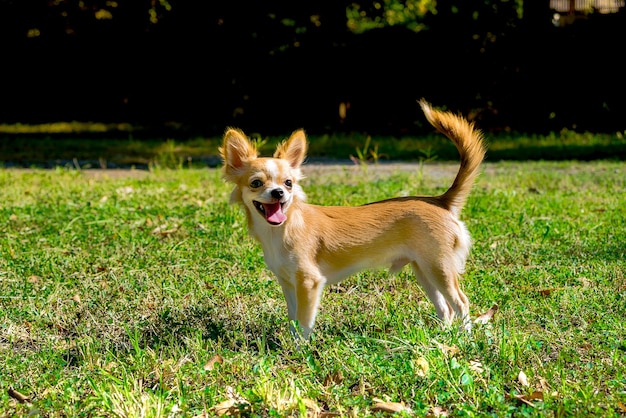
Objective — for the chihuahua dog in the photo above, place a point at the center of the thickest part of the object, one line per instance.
(309, 246)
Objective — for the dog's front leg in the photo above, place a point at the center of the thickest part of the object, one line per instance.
(289, 292)
(309, 287)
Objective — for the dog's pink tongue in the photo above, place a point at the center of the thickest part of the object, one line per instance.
(274, 213)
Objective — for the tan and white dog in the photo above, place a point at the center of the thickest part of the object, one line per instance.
(309, 246)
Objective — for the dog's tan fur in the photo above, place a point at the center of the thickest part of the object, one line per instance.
(309, 246)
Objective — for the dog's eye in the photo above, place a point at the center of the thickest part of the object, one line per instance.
(255, 184)
(288, 183)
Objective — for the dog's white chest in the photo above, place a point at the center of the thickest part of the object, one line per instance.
(278, 258)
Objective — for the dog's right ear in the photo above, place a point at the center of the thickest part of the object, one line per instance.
(236, 152)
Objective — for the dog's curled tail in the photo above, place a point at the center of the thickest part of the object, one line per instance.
(469, 142)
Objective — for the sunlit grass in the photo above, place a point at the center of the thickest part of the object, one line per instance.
(56, 128)
(142, 295)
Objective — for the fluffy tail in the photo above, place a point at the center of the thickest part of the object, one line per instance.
(469, 142)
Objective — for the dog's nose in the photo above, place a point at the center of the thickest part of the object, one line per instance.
(277, 193)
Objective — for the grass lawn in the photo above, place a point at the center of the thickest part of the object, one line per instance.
(141, 295)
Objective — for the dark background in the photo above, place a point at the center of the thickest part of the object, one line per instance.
(273, 66)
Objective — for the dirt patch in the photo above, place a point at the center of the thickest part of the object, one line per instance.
(431, 170)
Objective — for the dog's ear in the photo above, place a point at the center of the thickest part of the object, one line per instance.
(236, 151)
(294, 149)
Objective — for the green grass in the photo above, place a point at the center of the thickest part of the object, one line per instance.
(116, 292)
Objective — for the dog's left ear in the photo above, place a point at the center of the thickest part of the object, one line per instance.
(294, 149)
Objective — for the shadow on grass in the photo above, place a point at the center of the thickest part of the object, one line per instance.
(560, 153)
(51, 151)
(211, 323)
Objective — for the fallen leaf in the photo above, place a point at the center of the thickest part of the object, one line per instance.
(235, 405)
(391, 407)
(232, 394)
(437, 411)
(447, 349)
(18, 396)
(225, 408)
(216, 359)
(421, 367)
(487, 316)
(311, 406)
(33, 279)
(361, 388)
(521, 377)
(76, 298)
(621, 406)
(476, 366)
(549, 291)
(528, 399)
(333, 379)
(163, 231)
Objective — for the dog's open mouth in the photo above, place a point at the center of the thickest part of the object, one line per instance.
(273, 212)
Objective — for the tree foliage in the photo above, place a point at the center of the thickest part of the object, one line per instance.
(341, 65)
(379, 14)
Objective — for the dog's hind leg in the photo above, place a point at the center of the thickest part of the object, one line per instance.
(442, 287)
(443, 308)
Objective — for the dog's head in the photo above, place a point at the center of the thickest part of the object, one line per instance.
(265, 186)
